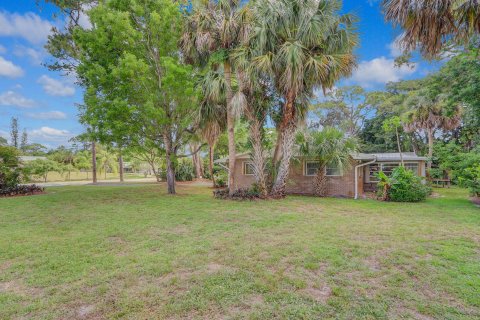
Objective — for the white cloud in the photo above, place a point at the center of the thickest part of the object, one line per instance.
(395, 48)
(2, 49)
(50, 115)
(11, 98)
(35, 56)
(50, 135)
(8, 69)
(380, 71)
(28, 26)
(55, 88)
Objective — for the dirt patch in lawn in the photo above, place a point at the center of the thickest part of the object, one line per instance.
(320, 295)
(17, 287)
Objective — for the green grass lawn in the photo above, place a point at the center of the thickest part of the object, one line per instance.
(134, 252)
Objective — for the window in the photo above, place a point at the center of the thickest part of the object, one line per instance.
(412, 166)
(387, 168)
(311, 168)
(248, 168)
(333, 170)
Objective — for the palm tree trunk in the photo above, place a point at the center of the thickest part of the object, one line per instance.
(288, 129)
(258, 156)
(230, 127)
(170, 165)
(210, 164)
(321, 182)
(120, 166)
(94, 162)
(430, 148)
(278, 189)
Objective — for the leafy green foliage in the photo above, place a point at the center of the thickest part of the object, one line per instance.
(41, 167)
(10, 173)
(471, 179)
(401, 186)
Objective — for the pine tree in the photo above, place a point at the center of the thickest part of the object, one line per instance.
(14, 132)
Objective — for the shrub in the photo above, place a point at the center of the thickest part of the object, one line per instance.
(183, 171)
(470, 179)
(239, 194)
(10, 172)
(10, 175)
(401, 186)
(20, 190)
(221, 178)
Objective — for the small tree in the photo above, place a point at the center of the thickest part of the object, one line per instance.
(330, 147)
(393, 124)
(42, 167)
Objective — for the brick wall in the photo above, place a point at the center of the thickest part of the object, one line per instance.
(298, 183)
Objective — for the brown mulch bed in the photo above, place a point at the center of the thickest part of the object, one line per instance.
(475, 200)
(23, 195)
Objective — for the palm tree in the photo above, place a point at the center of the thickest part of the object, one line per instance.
(107, 160)
(212, 113)
(83, 161)
(213, 30)
(329, 147)
(429, 24)
(301, 45)
(428, 115)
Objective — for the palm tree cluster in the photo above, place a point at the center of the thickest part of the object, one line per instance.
(263, 60)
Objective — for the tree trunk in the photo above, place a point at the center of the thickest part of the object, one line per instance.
(170, 165)
(120, 166)
(321, 182)
(278, 189)
(230, 128)
(94, 162)
(430, 149)
(278, 149)
(197, 163)
(105, 168)
(258, 156)
(288, 129)
(399, 147)
(210, 164)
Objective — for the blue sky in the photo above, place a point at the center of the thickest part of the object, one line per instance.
(44, 101)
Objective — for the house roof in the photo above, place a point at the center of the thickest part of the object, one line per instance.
(391, 156)
(381, 157)
(30, 158)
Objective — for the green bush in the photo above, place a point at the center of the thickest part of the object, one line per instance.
(221, 178)
(10, 172)
(471, 180)
(402, 186)
(184, 170)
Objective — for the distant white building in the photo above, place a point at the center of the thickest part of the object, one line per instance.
(30, 158)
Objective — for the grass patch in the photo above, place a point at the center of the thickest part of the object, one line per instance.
(95, 252)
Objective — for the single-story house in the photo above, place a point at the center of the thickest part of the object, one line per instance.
(353, 183)
(30, 158)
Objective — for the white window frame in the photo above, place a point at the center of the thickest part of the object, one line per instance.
(245, 164)
(305, 173)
